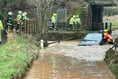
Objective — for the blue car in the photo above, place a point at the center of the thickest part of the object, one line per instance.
(91, 39)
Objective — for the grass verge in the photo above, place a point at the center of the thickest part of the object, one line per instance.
(15, 57)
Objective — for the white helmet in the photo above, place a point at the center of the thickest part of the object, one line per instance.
(10, 13)
(19, 12)
(23, 14)
(74, 16)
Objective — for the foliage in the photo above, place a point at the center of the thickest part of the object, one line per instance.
(43, 8)
(5, 6)
(114, 24)
(15, 57)
(110, 11)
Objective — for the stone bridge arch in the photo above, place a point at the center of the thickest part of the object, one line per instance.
(95, 12)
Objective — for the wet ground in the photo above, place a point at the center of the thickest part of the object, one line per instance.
(66, 60)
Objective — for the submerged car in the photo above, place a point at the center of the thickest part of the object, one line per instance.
(91, 39)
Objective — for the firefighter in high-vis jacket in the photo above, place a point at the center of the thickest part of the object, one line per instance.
(53, 21)
(1, 28)
(77, 21)
(108, 37)
(72, 22)
(24, 16)
(18, 21)
(9, 22)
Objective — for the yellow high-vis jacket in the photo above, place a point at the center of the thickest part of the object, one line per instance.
(72, 21)
(53, 19)
(1, 25)
(19, 17)
(77, 20)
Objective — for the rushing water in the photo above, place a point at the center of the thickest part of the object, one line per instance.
(69, 61)
(53, 66)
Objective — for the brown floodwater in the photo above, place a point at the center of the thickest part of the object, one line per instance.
(53, 66)
(66, 60)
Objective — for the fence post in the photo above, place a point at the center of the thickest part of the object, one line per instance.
(110, 31)
(29, 26)
(106, 25)
(25, 26)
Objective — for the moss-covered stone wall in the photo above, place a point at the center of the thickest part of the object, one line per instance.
(66, 35)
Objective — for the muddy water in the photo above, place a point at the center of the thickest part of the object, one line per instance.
(53, 66)
(66, 60)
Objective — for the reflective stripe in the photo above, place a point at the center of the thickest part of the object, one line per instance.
(19, 17)
(9, 23)
(109, 40)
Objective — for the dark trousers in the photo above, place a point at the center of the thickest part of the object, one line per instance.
(70, 26)
(17, 27)
(52, 26)
(78, 25)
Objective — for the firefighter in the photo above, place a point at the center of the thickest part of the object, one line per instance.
(72, 22)
(53, 21)
(77, 21)
(24, 15)
(18, 21)
(108, 37)
(106, 32)
(9, 27)
(24, 18)
(1, 28)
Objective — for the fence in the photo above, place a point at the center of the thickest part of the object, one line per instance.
(29, 26)
(115, 45)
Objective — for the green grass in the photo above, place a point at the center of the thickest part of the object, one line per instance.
(114, 24)
(15, 56)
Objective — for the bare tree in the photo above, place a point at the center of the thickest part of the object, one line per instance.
(44, 9)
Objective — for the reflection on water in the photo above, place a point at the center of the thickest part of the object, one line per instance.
(52, 66)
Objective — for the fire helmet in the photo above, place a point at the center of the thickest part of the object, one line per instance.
(54, 14)
(10, 13)
(105, 30)
(19, 12)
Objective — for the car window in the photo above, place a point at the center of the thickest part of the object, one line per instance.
(93, 36)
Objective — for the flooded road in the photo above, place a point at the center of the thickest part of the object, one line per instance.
(66, 60)
(62, 67)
